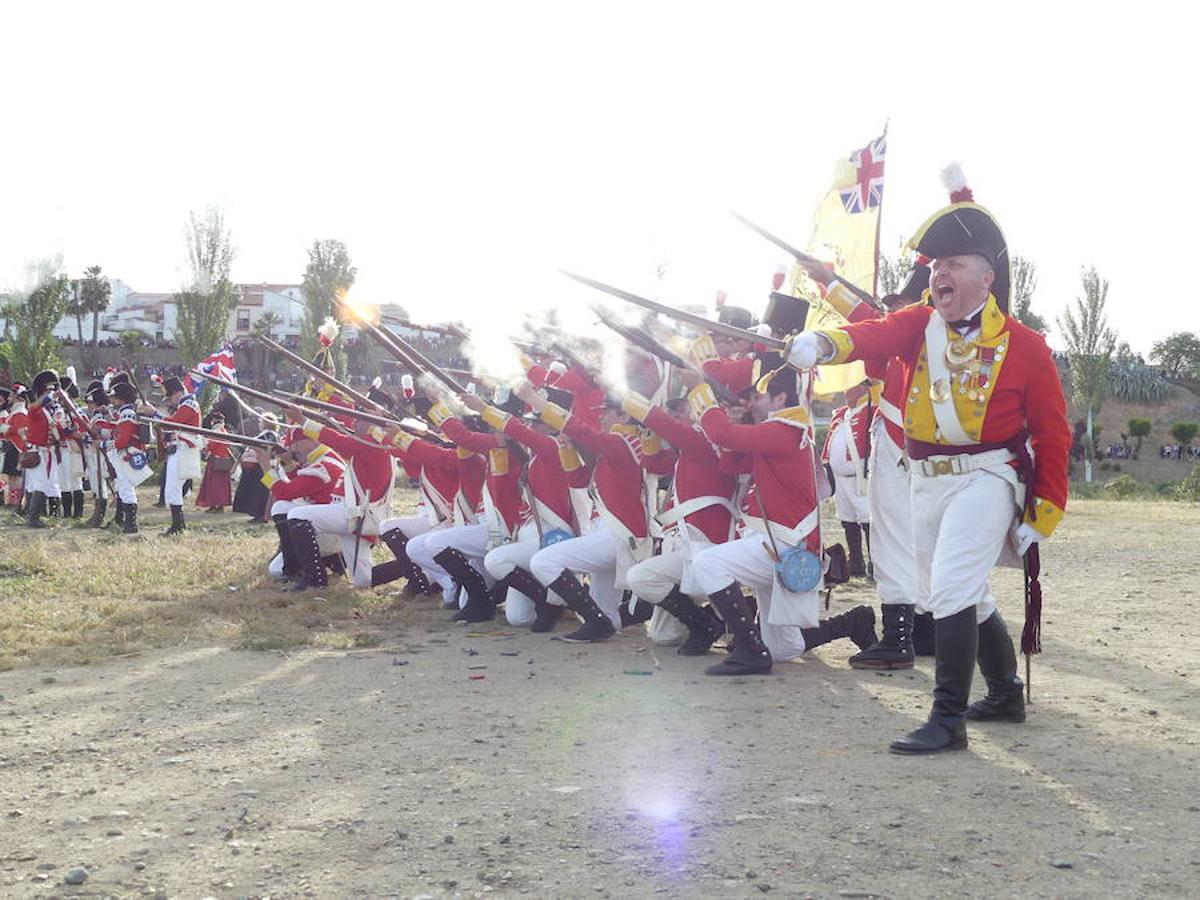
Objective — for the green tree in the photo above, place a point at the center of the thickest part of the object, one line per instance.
(264, 359)
(1179, 355)
(329, 274)
(1024, 283)
(95, 293)
(893, 272)
(1138, 429)
(1184, 432)
(1090, 344)
(132, 341)
(1132, 381)
(204, 306)
(34, 346)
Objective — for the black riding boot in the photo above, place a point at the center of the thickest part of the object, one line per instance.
(77, 513)
(417, 583)
(54, 507)
(895, 649)
(957, 638)
(291, 566)
(922, 635)
(37, 509)
(703, 625)
(547, 614)
(481, 605)
(858, 625)
(118, 521)
(1005, 700)
(596, 625)
(68, 505)
(642, 611)
(99, 508)
(177, 523)
(129, 524)
(750, 655)
(308, 555)
(856, 565)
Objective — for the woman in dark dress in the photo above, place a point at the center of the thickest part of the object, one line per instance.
(253, 497)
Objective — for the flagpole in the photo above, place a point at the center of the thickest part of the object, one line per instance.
(879, 218)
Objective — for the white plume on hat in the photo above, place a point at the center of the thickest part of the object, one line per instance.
(954, 179)
(71, 374)
(328, 331)
(377, 382)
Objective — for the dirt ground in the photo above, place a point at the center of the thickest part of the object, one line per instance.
(466, 761)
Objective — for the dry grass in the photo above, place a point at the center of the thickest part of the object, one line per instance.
(73, 595)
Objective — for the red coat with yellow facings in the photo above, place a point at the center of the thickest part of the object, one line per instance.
(318, 481)
(617, 476)
(781, 461)
(548, 481)
(503, 470)
(371, 463)
(697, 472)
(1023, 393)
(437, 465)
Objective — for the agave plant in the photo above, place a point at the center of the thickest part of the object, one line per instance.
(1132, 381)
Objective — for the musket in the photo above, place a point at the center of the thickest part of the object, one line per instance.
(79, 417)
(270, 398)
(402, 349)
(680, 315)
(314, 403)
(318, 373)
(223, 436)
(639, 337)
(806, 259)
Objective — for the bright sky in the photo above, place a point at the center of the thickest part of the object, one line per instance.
(464, 151)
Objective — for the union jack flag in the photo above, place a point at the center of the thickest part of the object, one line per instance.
(867, 190)
(219, 364)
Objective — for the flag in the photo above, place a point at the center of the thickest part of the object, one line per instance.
(846, 234)
(219, 364)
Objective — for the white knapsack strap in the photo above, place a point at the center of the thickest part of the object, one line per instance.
(944, 411)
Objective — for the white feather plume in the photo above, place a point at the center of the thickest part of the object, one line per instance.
(71, 374)
(953, 178)
(376, 383)
(329, 329)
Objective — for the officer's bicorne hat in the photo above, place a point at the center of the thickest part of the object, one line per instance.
(123, 391)
(965, 228)
(785, 314)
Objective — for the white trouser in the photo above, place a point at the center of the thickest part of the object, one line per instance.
(851, 505)
(747, 562)
(593, 554)
(126, 492)
(410, 526)
(96, 470)
(960, 524)
(172, 483)
(652, 579)
(500, 562)
(330, 518)
(70, 475)
(891, 523)
(44, 476)
(469, 540)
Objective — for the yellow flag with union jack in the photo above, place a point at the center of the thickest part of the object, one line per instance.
(846, 234)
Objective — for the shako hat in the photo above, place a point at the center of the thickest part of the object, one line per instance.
(172, 385)
(785, 314)
(123, 391)
(737, 316)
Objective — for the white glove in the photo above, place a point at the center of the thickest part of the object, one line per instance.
(805, 350)
(762, 329)
(1024, 537)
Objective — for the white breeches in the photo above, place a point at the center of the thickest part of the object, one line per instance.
(593, 554)
(126, 492)
(960, 524)
(330, 519)
(500, 562)
(851, 505)
(652, 579)
(410, 526)
(44, 476)
(469, 540)
(70, 474)
(891, 524)
(172, 482)
(747, 562)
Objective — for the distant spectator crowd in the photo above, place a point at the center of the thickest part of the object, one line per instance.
(1188, 452)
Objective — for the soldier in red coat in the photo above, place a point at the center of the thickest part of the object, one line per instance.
(12, 431)
(46, 435)
(182, 449)
(986, 430)
(307, 472)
